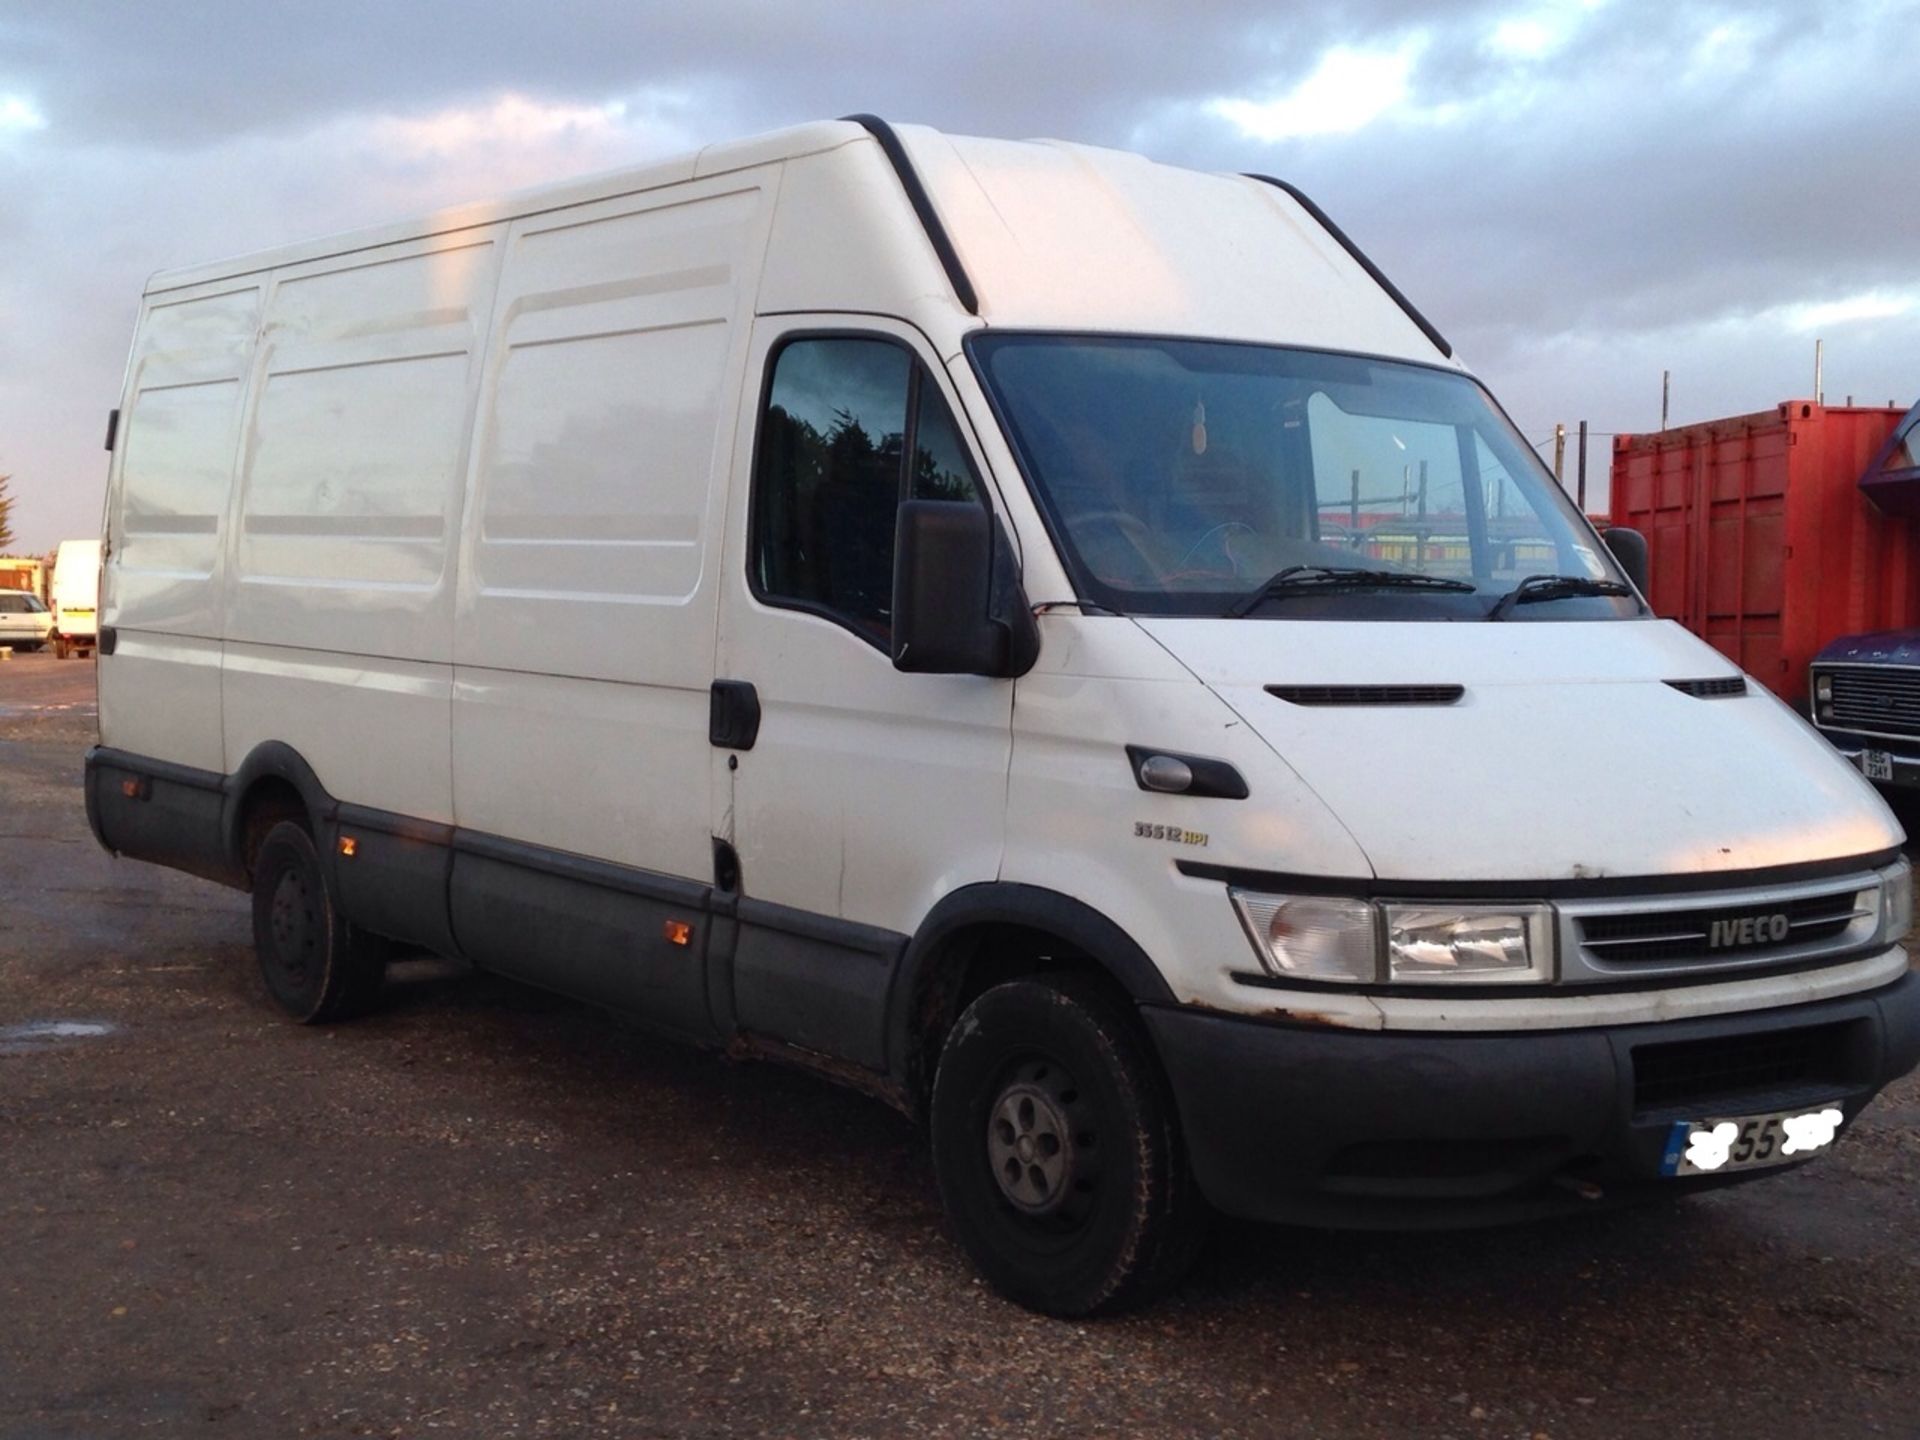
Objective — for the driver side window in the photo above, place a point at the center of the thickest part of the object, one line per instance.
(843, 415)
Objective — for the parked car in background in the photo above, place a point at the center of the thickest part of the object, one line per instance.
(1866, 700)
(1864, 690)
(24, 621)
(76, 597)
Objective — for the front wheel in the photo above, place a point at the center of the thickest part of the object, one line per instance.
(1058, 1151)
(318, 965)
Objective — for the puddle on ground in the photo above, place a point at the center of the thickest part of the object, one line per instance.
(32, 1035)
(14, 708)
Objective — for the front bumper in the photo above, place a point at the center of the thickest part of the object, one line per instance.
(1371, 1129)
(1902, 755)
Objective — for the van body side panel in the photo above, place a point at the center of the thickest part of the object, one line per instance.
(340, 590)
(160, 696)
(180, 426)
(373, 730)
(167, 505)
(846, 239)
(868, 794)
(585, 632)
(352, 468)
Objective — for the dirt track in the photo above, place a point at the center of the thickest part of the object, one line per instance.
(484, 1212)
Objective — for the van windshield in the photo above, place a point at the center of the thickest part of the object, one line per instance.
(1192, 477)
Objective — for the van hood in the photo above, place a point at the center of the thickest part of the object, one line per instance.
(1567, 755)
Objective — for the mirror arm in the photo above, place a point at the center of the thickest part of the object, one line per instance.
(1629, 548)
(1011, 610)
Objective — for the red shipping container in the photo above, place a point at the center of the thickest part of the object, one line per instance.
(1762, 543)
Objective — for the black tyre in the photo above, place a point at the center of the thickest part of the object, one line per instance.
(59, 647)
(1058, 1150)
(319, 966)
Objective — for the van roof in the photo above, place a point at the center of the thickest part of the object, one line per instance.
(1042, 234)
(715, 159)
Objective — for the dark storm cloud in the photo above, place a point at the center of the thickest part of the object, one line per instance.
(1581, 194)
(178, 76)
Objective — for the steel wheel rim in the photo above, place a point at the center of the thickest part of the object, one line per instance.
(1039, 1143)
(291, 922)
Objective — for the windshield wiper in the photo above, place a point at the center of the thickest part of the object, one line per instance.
(1553, 587)
(1306, 579)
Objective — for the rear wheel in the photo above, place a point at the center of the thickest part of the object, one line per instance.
(318, 965)
(1058, 1150)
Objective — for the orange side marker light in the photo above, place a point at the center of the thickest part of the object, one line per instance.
(678, 932)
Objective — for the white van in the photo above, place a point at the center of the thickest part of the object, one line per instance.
(76, 596)
(1053, 640)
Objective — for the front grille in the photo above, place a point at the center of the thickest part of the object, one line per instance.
(1810, 922)
(1876, 699)
(1725, 1066)
(1656, 935)
(1367, 694)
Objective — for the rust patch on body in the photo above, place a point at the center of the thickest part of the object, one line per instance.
(843, 1072)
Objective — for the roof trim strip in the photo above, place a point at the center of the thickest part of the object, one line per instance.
(1379, 276)
(922, 204)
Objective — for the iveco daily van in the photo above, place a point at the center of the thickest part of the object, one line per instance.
(1054, 640)
(76, 596)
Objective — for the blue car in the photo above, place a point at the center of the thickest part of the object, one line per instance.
(1865, 689)
(1866, 700)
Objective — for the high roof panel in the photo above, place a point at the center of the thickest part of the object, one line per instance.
(714, 159)
(1062, 236)
(1050, 235)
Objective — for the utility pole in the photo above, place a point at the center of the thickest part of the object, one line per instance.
(1666, 390)
(1559, 455)
(1580, 492)
(1420, 530)
(1819, 384)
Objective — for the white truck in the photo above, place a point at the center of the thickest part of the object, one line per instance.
(1054, 640)
(76, 597)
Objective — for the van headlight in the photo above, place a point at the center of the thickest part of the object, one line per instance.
(1479, 943)
(1896, 902)
(1822, 697)
(1314, 937)
(1310, 937)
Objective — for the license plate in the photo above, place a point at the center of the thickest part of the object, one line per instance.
(1748, 1142)
(1876, 764)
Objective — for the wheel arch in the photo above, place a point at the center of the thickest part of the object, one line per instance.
(981, 934)
(276, 781)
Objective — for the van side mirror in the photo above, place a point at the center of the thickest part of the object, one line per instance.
(1629, 549)
(958, 608)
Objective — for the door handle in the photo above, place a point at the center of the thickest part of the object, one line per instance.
(733, 714)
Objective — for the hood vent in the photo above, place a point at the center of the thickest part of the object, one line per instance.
(1368, 694)
(1721, 687)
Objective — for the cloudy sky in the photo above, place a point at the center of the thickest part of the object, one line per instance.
(1579, 192)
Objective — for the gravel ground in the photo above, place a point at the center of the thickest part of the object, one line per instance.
(487, 1212)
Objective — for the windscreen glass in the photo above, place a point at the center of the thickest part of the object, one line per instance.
(1182, 477)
